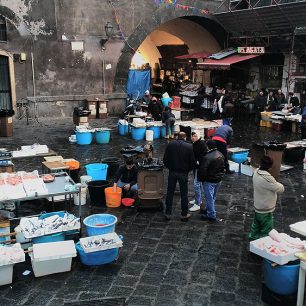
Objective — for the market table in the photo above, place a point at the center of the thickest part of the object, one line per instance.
(62, 185)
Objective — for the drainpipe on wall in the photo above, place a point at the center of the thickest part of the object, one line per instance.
(33, 76)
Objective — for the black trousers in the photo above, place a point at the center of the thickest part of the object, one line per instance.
(182, 179)
(222, 147)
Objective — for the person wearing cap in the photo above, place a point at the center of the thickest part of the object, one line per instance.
(147, 97)
(155, 109)
(199, 149)
(266, 189)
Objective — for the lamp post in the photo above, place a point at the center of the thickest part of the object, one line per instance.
(108, 31)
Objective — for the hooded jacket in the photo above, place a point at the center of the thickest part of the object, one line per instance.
(266, 189)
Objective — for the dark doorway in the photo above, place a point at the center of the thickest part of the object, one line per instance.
(5, 84)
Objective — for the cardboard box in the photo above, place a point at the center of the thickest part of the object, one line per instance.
(6, 126)
(92, 107)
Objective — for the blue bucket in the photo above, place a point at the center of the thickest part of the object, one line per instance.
(240, 157)
(163, 131)
(84, 138)
(138, 133)
(93, 229)
(97, 258)
(49, 238)
(102, 137)
(282, 279)
(156, 131)
(166, 101)
(123, 129)
(98, 172)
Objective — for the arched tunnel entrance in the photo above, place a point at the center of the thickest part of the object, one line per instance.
(196, 33)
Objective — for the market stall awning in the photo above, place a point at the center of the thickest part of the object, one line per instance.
(194, 55)
(225, 63)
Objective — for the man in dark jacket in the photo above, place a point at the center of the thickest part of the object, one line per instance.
(155, 109)
(222, 137)
(179, 159)
(259, 105)
(126, 177)
(199, 149)
(279, 100)
(210, 174)
(169, 119)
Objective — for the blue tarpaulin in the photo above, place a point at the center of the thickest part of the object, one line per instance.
(138, 82)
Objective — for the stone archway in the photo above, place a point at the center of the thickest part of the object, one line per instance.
(138, 36)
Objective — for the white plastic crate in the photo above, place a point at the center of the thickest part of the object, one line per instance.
(299, 227)
(52, 257)
(6, 275)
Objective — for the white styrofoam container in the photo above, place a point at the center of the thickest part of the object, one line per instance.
(299, 227)
(279, 259)
(52, 257)
(117, 242)
(6, 274)
(177, 114)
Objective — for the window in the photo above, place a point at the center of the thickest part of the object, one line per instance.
(3, 34)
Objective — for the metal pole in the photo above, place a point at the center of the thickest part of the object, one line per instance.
(289, 64)
(33, 76)
(103, 72)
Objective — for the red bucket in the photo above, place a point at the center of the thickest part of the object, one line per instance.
(176, 102)
(127, 201)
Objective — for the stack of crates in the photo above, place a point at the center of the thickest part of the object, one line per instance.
(92, 107)
(102, 109)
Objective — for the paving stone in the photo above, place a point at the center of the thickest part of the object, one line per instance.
(146, 290)
(222, 297)
(159, 269)
(35, 298)
(175, 278)
(140, 301)
(151, 279)
(226, 283)
(133, 269)
(117, 291)
(196, 299)
(167, 302)
(126, 280)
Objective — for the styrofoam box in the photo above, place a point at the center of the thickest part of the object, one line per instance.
(299, 227)
(177, 114)
(6, 275)
(117, 242)
(52, 257)
(279, 259)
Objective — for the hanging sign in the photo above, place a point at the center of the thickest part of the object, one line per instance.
(251, 50)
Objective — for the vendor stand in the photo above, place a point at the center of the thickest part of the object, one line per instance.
(61, 186)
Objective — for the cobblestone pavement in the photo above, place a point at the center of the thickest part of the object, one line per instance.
(161, 263)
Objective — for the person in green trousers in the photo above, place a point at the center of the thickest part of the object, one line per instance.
(266, 189)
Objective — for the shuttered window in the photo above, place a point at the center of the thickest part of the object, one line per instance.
(3, 33)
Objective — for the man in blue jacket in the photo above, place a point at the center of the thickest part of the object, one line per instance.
(179, 159)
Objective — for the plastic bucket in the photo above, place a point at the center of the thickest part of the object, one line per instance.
(282, 279)
(156, 130)
(113, 196)
(84, 138)
(85, 179)
(97, 171)
(102, 137)
(149, 135)
(123, 129)
(176, 102)
(49, 238)
(163, 131)
(239, 157)
(76, 197)
(99, 224)
(96, 192)
(166, 101)
(138, 133)
(113, 165)
(97, 258)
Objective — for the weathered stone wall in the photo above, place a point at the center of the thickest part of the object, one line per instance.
(47, 28)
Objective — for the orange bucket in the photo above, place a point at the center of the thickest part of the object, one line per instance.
(73, 165)
(113, 196)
